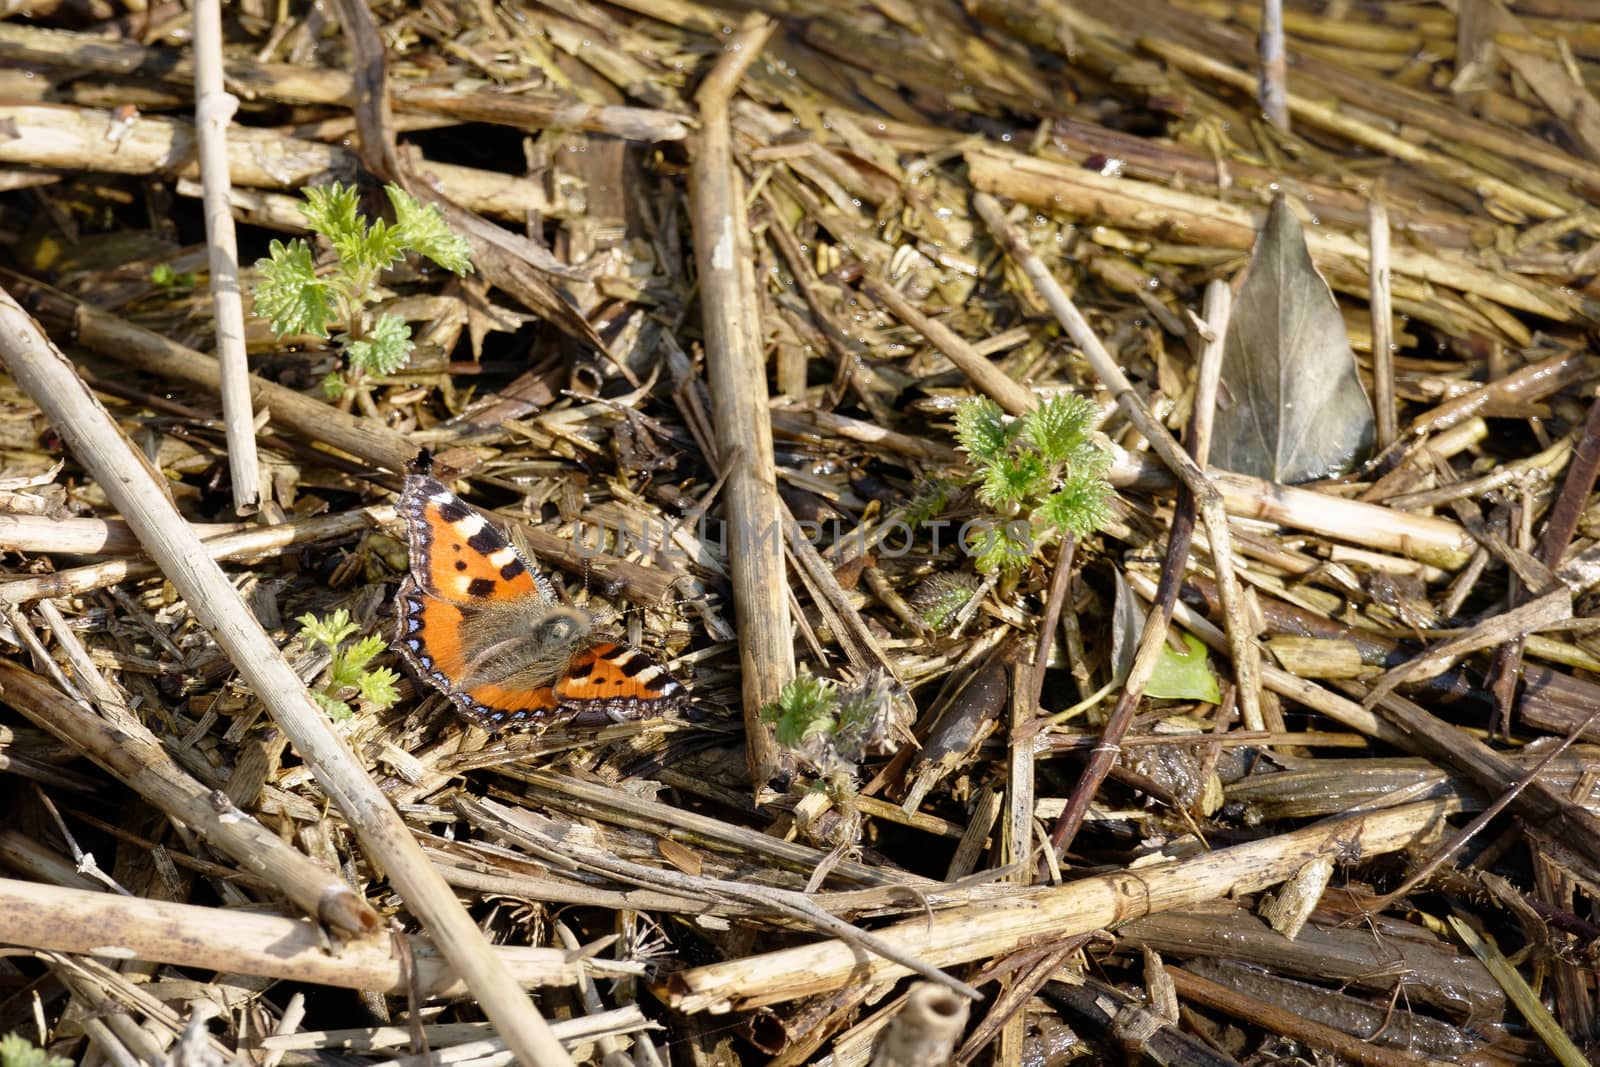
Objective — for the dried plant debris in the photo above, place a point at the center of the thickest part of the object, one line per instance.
(1293, 409)
(883, 701)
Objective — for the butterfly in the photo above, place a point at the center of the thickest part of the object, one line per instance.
(487, 630)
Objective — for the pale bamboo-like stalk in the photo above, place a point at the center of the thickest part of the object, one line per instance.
(82, 138)
(998, 927)
(255, 541)
(1272, 83)
(1382, 322)
(736, 375)
(50, 381)
(214, 108)
(1207, 499)
(1218, 312)
(58, 919)
(924, 1031)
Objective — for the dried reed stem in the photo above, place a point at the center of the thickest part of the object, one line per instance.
(59, 919)
(1013, 398)
(214, 108)
(998, 927)
(1272, 86)
(925, 1029)
(78, 138)
(1382, 322)
(736, 375)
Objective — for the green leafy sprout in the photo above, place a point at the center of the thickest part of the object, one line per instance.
(1043, 474)
(939, 599)
(163, 275)
(348, 673)
(828, 727)
(18, 1051)
(296, 299)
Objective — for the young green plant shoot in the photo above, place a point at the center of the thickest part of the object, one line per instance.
(299, 300)
(829, 729)
(16, 1051)
(1043, 475)
(348, 674)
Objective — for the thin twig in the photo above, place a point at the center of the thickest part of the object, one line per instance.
(214, 108)
(990, 380)
(1273, 81)
(1382, 321)
(736, 374)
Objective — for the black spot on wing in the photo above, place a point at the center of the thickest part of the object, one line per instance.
(581, 670)
(512, 569)
(453, 511)
(636, 663)
(461, 564)
(480, 587)
(486, 540)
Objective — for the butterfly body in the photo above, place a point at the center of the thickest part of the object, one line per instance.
(482, 626)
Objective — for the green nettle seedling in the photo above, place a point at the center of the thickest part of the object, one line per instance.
(939, 600)
(1043, 475)
(829, 729)
(297, 300)
(348, 674)
(19, 1052)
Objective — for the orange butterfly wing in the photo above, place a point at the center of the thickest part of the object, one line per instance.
(460, 564)
(457, 555)
(610, 681)
(459, 561)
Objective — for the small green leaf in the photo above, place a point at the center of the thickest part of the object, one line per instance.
(1059, 426)
(363, 652)
(333, 386)
(1009, 481)
(337, 709)
(290, 294)
(931, 497)
(377, 249)
(424, 229)
(1184, 675)
(982, 429)
(938, 599)
(331, 211)
(385, 349)
(377, 688)
(805, 709)
(1002, 548)
(329, 631)
(1080, 507)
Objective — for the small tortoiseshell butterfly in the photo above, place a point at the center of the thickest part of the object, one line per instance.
(479, 624)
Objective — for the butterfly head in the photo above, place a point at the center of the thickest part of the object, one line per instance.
(557, 628)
